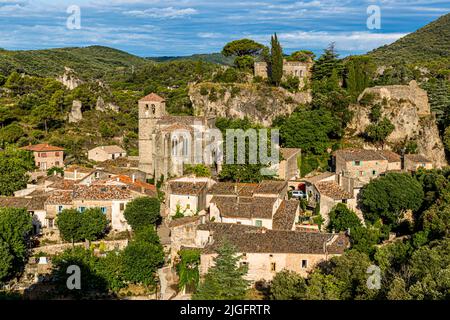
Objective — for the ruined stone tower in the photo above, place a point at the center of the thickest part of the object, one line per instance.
(151, 109)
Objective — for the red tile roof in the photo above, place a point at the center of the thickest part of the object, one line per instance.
(42, 147)
(152, 97)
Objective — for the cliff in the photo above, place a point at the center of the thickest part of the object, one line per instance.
(407, 107)
(258, 102)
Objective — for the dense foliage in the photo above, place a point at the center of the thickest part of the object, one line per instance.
(14, 167)
(141, 212)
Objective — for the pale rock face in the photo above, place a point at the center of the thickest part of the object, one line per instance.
(69, 79)
(407, 107)
(261, 106)
(100, 106)
(75, 114)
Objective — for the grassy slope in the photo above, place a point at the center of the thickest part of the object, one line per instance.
(88, 62)
(429, 43)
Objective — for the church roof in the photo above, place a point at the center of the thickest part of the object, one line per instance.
(152, 97)
(186, 120)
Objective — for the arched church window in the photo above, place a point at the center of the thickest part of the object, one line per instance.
(174, 146)
(153, 109)
(185, 147)
(146, 110)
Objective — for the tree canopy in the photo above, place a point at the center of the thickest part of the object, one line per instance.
(142, 211)
(242, 47)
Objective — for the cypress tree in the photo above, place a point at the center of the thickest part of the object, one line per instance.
(224, 281)
(276, 61)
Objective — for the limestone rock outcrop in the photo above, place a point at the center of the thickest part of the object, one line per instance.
(259, 103)
(75, 114)
(407, 107)
(103, 107)
(69, 79)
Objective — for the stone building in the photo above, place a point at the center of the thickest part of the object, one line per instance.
(266, 252)
(46, 156)
(416, 161)
(166, 143)
(104, 153)
(297, 69)
(288, 167)
(187, 198)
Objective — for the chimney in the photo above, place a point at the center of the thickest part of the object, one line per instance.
(75, 174)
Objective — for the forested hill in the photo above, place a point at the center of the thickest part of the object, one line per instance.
(217, 58)
(428, 44)
(88, 62)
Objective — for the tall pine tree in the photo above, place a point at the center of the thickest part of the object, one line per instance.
(276, 61)
(225, 280)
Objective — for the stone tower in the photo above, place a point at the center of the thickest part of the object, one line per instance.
(151, 108)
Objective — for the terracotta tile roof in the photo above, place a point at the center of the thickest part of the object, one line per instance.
(289, 152)
(284, 218)
(187, 188)
(271, 187)
(31, 204)
(390, 156)
(152, 97)
(230, 188)
(358, 155)
(247, 208)
(182, 221)
(101, 192)
(110, 149)
(333, 190)
(186, 120)
(60, 183)
(417, 158)
(42, 147)
(78, 168)
(137, 185)
(319, 177)
(121, 162)
(59, 198)
(249, 239)
(177, 126)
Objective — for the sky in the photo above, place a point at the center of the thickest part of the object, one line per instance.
(175, 28)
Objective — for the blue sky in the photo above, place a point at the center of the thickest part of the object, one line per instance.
(184, 27)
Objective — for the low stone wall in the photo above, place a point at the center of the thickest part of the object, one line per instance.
(58, 248)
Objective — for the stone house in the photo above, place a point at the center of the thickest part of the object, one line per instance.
(104, 153)
(288, 167)
(111, 199)
(297, 69)
(266, 252)
(34, 205)
(76, 172)
(187, 197)
(416, 161)
(46, 156)
(167, 143)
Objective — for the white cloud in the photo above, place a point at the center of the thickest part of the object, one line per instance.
(169, 12)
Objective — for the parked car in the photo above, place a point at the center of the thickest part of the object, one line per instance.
(299, 194)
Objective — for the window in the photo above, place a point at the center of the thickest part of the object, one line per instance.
(81, 209)
(357, 163)
(153, 109)
(56, 154)
(43, 155)
(273, 267)
(361, 173)
(243, 264)
(103, 210)
(374, 172)
(258, 223)
(344, 200)
(60, 209)
(57, 163)
(50, 223)
(122, 206)
(304, 264)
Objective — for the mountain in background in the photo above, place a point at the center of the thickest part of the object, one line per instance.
(89, 62)
(217, 58)
(430, 44)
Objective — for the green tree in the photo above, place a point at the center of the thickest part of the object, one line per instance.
(360, 71)
(287, 285)
(187, 269)
(323, 287)
(142, 212)
(54, 170)
(244, 63)
(93, 224)
(199, 170)
(6, 260)
(378, 132)
(242, 47)
(388, 197)
(276, 61)
(225, 280)
(327, 63)
(69, 225)
(15, 228)
(141, 261)
(14, 165)
(11, 133)
(342, 219)
(397, 290)
(111, 268)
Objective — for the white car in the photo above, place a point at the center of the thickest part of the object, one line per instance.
(299, 194)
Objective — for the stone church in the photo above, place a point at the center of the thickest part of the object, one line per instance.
(166, 143)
